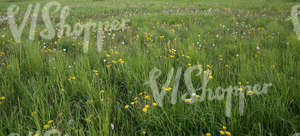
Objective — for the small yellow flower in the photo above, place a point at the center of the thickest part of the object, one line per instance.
(101, 91)
(161, 37)
(144, 132)
(121, 61)
(147, 106)
(141, 93)
(126, 106)
(189, 64)
(224, 127)
(36, 135)
(208, 134)
(72, 78)
(222, 132)
(101, 100)
(168, 89)
(228, 133)
(240, 89)
(171, 56)
(145, 109)
(188, 100)
(154, 104)
(250, 92)
(33, 113)
(197, 96)
(95, 71)
(46, 126)
(131, 103)
(50, 121)
(114, 62)
(211, 77)
(88, 120)
(2, 98)
(146, 97)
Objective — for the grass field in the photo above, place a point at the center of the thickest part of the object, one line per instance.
(53, 84)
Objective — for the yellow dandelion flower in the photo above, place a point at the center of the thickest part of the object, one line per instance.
(208, 134)
(126, 106)
(131, 103)
(146, 97)
(72, 78)
(211, 77)
(240, 89)
(33, 113)
(168, 89)
(145, 109)
(250, 92)
(95, 71)
(154, 104)
(121, 61)
(50, 121)
(188, 100)
(147, 106)
(2, 98)
(114, 62)
(224, 127)
(87, 120)
(46, 126)
(228, 133)
(222, 132)
(102, 91)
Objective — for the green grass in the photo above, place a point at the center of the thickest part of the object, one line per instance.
(35, 76)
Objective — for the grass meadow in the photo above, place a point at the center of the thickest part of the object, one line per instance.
(52, 84)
